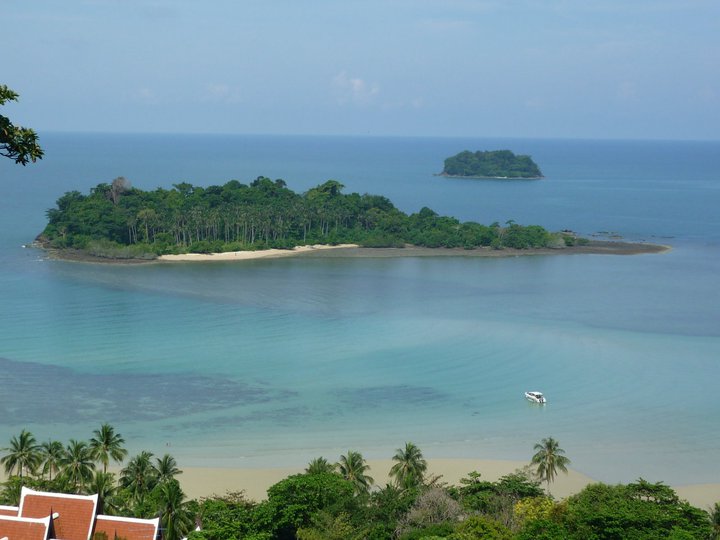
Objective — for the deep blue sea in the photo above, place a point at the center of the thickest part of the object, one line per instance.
(275, 362)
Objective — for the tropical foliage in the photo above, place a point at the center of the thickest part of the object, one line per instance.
(51, 454)
(409, 468)
(319, 465)
(116, 220)
(324, 506)
(491, 164)
(638, 510)
(16, 142)
(23, 454)
(549, 459)
(106, 445)
(335, 503)
(176, 518)
(145, 488)
(715, 519)
(352, 467)
(139, 477)
(498, 499)
(76, 464)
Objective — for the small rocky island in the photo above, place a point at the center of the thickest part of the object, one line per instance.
(491, 164)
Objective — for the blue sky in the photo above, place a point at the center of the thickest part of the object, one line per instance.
(512, 68)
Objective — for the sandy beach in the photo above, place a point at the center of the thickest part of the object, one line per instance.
(202, 482)
(597, 247)
(248, 255)
(198, 482)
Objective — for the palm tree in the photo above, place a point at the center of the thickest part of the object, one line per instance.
(352, 468)
(139, 476)
(715, 520)
(410, 466)
(77, 465)
(23, 454)
(107, 445)
(319, 465)
(175, 519)
(11, 491)
(104, 485)
(51, 453)
(549, 459)
(166, 468)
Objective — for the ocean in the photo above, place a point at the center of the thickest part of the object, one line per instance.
(275, 362)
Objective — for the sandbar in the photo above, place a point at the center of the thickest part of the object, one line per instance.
(246, 255)
(596, 247)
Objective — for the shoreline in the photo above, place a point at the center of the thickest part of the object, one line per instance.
(593, 247)
(445, 175)
(203, 482)
(200, 482)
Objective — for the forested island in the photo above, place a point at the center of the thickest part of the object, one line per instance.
(491, 164)
(118, 221)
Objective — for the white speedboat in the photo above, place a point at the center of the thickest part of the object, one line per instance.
(535, 397)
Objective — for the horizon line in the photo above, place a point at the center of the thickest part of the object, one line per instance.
(367, 136)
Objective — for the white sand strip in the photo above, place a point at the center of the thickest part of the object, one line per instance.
(248, 255)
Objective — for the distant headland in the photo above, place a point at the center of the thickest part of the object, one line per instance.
(493, 164)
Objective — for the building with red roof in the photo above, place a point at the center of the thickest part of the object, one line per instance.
(59, 516)
(17, 528)
(8, 510)
(130, 528)
(73, 516)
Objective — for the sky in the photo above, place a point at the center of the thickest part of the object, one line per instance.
(623, 69)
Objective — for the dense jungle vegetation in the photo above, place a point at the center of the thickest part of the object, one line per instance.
(491, 164)
(120, 221)
(341, 501)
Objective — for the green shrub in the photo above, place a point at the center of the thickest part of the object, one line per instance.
(440, 530)
(480, 527)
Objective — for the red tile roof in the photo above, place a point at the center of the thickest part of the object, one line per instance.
(127, 528)
(8, 510)
(16, 528)
(75, 513)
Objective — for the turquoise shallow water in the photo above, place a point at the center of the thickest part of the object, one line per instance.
(275, 362)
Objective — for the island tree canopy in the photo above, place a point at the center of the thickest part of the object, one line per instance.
(491, 164)
(264, 214)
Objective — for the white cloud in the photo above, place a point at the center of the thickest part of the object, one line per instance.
(145, 95)
(221, 93)
(354, 90)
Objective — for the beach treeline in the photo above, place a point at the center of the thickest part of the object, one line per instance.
(145, 487)
(118, 220)
(341, 501)
(491, 164)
